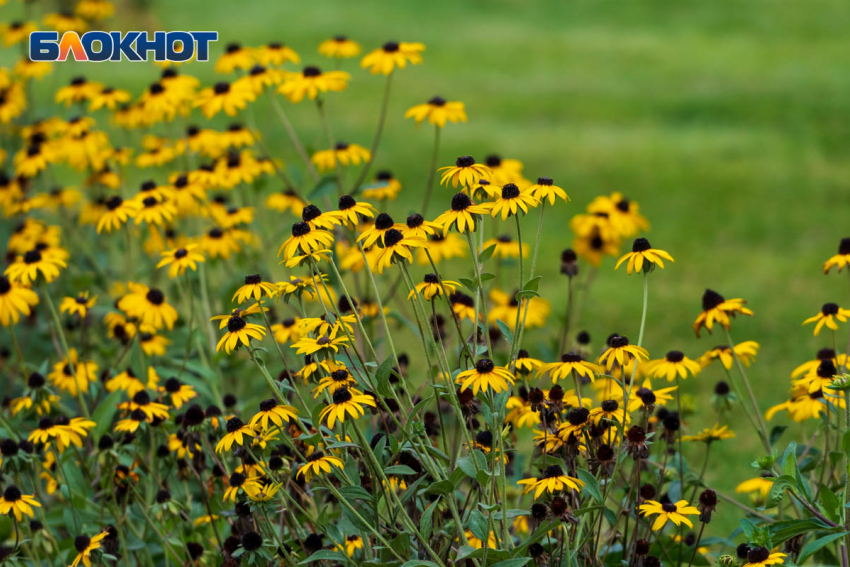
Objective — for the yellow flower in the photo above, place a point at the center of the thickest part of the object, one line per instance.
(717, 309)
(745, 351)
(77, 91)
(351, 211)
(352, 544)
(553, 480)
(254, 288)
(15, 299)
(339, 47)
(234, 57)
(342, 402)
(391, 55)
(676, 513)
(77, 305)
(148, 305)
(840, 260)
(236, 433)
(270, 411)
(762, 557)
(13, 502)
(323, 344)
(569, 363)
(108, 97)
(312, 81)
(238, 330)
(643, 256)
(304, 240)
(485, 376)
(16, 32)
(620, 213)
(397, 247)
(262, 492)
(229, 97)
(432, 286)
(85, 545)
(118, 211)
(465, 171)
(438, 111)
(511, 201)
(545, 188)
(827, 316)
(72, 375)
(342, 153)
(715, 433)
(276, 53)
(504, 247)
(180, 393)
(237, 482)
(464, 214)
(317, 464)
(675, 362)
(619, 350)
(179, 259)
(760, 484)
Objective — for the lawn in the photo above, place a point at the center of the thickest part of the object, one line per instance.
(726, 121)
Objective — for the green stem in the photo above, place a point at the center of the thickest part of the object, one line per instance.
(429, 185)
(381, 119)
(765, 439)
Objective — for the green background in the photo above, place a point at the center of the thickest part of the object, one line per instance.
(726, 121)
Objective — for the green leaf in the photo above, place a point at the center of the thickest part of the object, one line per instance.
(355, 493)
(478, 525)
(776, 433)
(399, 470)
(531, 285)
(466, 464)
(419, 563)
(486, 254)
(440, 487)
(817, 544)
(469, 284)
(829, 503)
(527, 293)
(506, 331)
(591, 486)
(426, 521)
(325, 186)
(518, 562)
(104, 412)
(382, 375)
(784, 530)
(325, 554)
(486, 277)
(777, 491)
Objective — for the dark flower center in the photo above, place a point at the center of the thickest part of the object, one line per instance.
(623, 205)
(257, 70)
(605, 453)
(346, 202)
(570, 357)
(45, 423)
(342, 396)
(32, 257)
(149, 201)
(415, 220)
(172, 385)
(493, 161)
(253, 279)
(5, 285)
(646, 395)
(392, 237)
(578, 416)
(12, 493)
(237, 479)
(138, 415)
(437, 101)
(610, 405)
(460, 202)
(618, 342)
(142, 398)
(522, 353)
(300, 229)
(155, 296)
(668, 507)
(391, 46)
(547, 181)
(268, 404)
(384, 221)
(217, 233)
(221, 88)
(462, 299)
(312, 71)
(829, 309)
(510, 191)
(81, 543)
(180, 253)
(339, 375)
(711, 299)
(431, 279)
(235, 324)
(484, 366)
(757, 554)
(552, 471)
(844, 247)
(641, 245)
(233, 47)
(826, 369)
(465, 161)
(484, 438)
(234, 424)
(825, 353)
(675, 356)
(636, 434)
(721, 388)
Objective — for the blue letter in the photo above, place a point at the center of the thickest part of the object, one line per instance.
(185, 38)
(144, 44)
(204, 39)
(44, 46)
(105, 45)
(124, 46)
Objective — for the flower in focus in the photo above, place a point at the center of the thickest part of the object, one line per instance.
(396, 247)
(569, 363)
(254, 288)
(465, 171)
(239, 331)
(485, 376)
(762, 557)
(464, 214)
(676, 513)
(675, 362)
(840, 260)
(620, 351)
(391, 55)
(546, 189)
(511, 201)
(715, 308)
(229, 97)
(236, 433)
(437, 111)
(317, 464)
(85, 545)
(14, 502)
(271, 411)
(25, 269)
(643, 255)
(433, 285)
(342, 402)
(553, 480)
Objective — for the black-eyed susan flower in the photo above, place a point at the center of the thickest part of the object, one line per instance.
(142, 401)
(760, 556)
(546, 189)
(239, 331)
(464, 215)
(276, 53)
(711, 434)
(397, 247)
(305, 239)
(271, 411)
(237, 483)
(375, 233)
(16, 32)
(485, 376)
(525, 364)
(433, 285)
(13, 102)
(254, 288)
(313, 215)
(511, 201)
(16, 503)
(118, 211)
(77, 305)
(442, 247)
(437, 111)
(15, 300)
(551, 481)
(108, 97)
(345, 402)
(840, 260)
(464, 172)
(132, 423)
(506, 308)
(72, 374)
(569, 363)
(821, 379)
(153, 344)
(351, 211)
(674, 363)
(234, 57)
(78, 90)
(677, 513)
(643, 255)
(418, 226)
(85, 545)
(339, 47)
(828, 315)
(339, 378)
(622, 214)
(178, 392)
(179, 259)
(622, 352)
(311, 81)
(155, 212)
(286, 200)
(391, 55)
(224, 96)
(385, 187)
(219, 243)
(263, 492)
(351, 545)
(324, 345)
(48, 431)
(717, 309)
(505, 247)
(287, 330)
(149, 305)
(343, 154)
(236, 433)
(94, 9)
(745, 351)
(32, 160)
(463, 306)
(647, 397)
(318, 464)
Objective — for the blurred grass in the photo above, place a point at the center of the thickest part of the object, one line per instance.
(726, 121)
